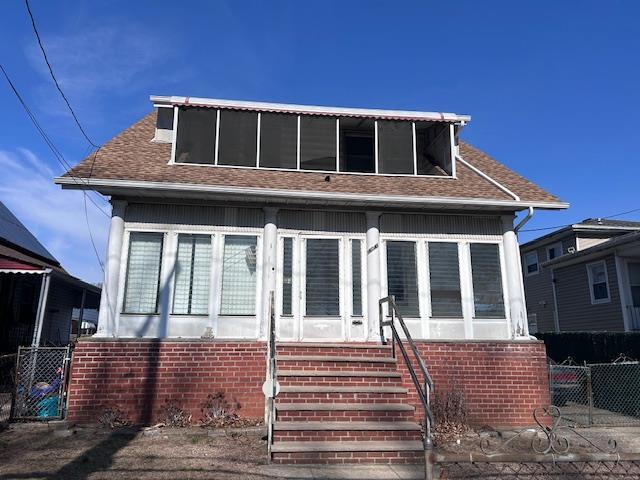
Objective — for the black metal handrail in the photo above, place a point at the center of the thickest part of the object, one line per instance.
(272, 373)
(423, 388)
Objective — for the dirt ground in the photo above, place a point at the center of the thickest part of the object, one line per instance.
(40, 451)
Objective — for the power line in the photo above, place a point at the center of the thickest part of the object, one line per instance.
(55, 80)
(56, 152)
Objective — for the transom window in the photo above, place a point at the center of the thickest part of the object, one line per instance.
(245, 138)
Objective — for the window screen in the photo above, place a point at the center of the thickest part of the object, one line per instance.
(192, 272)
(433, 152)
(143, 272)
(402, 277)
(196, 139)
(287, 275)
(356, 276)
(322, 277)
(395, 147)
(487, 280)
(278, 140)
(318, 143)
(239, 276)
(444, 276)
(357, 145)
(238, 138)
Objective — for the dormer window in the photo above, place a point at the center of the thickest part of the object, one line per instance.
(325, 143)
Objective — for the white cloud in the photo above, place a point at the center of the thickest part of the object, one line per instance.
(55, 216)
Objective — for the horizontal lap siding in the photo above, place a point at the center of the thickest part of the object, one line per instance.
(502, 382)
(575, 311)
(139, 377)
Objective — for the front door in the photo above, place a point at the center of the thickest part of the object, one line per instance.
(311, 284)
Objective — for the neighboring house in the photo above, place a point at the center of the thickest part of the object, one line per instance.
(217, 203)
(584, 277)
(37, 295)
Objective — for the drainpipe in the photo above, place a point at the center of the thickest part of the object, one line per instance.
(522, 222)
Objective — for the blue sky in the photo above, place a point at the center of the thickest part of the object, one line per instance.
(552, 87)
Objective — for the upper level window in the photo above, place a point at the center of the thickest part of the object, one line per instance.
(531, 263)
(196, 136)
(598, 282)
(238, 138)
(357, 145)
(278, 140)
(318, 143)
(309, 142)
(554, 251)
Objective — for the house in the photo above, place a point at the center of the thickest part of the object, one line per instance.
(218, 203)
(584, 277)
(37, 296)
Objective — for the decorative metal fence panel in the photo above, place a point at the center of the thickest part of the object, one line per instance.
(601, 394)
(40, 383)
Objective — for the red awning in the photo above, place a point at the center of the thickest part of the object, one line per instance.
(11, 264)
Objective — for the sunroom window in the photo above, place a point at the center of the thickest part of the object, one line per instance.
(143, 273)
(433, 148)
(395, 147)
(278, 140)
(486, 275)
(444, 275)
(323, 277)
(318, 143)
(196, 139)
(402, 276)
(192, 272)
(357, 145)
(239, 275)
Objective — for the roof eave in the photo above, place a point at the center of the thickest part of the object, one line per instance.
(114, 187)
(163, 101)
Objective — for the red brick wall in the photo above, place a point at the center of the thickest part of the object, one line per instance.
(139, 376)
(502, 381)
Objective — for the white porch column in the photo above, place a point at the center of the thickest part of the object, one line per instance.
(269, 265)
(515, 284)
(109, 298)
(373, 273)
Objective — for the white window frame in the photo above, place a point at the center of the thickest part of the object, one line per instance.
(557, 245)
(172, 281)
(527, 273)
(589, 266)
(460, 273)
(172, 160)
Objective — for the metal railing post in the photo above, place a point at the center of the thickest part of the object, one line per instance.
(589, 393)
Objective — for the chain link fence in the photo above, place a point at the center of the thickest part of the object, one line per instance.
(40, 383)
(598, 394)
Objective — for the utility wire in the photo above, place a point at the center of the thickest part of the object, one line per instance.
(569, 224)
(56, 152)
(55, 80)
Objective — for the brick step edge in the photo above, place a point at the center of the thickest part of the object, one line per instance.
(312, 447)
(346, 426)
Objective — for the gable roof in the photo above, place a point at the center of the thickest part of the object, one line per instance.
(17, 238)
(132, 159)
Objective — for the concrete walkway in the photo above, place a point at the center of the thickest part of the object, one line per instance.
(345, 472)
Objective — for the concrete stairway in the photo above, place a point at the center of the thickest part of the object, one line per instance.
(342, 403)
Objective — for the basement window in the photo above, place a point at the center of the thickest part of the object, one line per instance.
(357, 145)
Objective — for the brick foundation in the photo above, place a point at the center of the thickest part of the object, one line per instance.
(139, 376)
(502, 381)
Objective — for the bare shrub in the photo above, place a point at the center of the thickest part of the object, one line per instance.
(451, 415)
(113, 417)
(175, 416)
(217, 411)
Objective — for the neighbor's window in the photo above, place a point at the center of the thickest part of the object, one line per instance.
(196, 138)
(486, 275)
(323, 277)
(402, 276)
(287, 275)
(356, 277)
(395, 147)
(239, 275)
(278, 140)
(531, 263)
(554, 251)
(598, 283)
(143, 273)
(357, 145)
(318, 143)
(237, 138)
(193, 270)
(444, 275)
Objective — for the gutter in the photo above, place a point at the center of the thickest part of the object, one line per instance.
(96, 184)
(522, 222)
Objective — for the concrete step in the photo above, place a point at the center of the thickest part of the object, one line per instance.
(346, 426)
(304, 447)
(393, 407)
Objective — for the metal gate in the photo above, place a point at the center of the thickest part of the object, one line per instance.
(41, 374)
